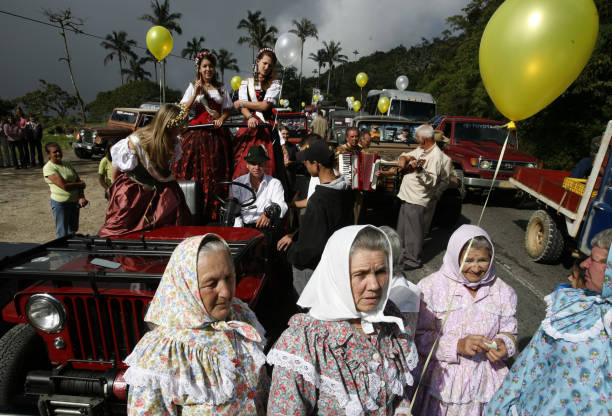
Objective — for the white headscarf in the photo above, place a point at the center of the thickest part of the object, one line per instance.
(328, 293)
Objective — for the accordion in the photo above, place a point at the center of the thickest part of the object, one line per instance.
(359, 169)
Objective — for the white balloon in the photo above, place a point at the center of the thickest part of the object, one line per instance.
(287, 49)
(401, 82)
(286, 103)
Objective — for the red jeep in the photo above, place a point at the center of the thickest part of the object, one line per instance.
(475, 145)
(75, 321)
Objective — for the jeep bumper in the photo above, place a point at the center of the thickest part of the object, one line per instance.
(486, 183)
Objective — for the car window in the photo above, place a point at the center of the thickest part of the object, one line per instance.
(389, 131)
(293, 123)
(146, 119)
(123, 116)
(482, 133)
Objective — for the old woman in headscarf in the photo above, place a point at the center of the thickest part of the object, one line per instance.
(204, 355)
(350, 354)
(466, 366)
(567, 367)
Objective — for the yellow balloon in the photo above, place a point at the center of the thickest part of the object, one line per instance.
(315, 97)
(159, 42)
(303, 104)
(352, 98)
(282, 101)
(361, 79)
(532, 50)
(357, 105)
(383, 104)
(235, 82)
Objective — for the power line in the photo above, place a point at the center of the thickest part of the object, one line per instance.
(78, 32)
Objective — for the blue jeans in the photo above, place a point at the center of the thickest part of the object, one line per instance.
(66, 218)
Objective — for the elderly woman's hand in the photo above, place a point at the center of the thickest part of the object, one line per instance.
(494, 355)
(471, 345)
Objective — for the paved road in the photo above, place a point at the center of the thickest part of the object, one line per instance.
(506, 225)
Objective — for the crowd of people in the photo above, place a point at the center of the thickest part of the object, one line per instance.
(367, 341)
(21, 141)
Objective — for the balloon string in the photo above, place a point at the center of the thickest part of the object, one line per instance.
(465, 254)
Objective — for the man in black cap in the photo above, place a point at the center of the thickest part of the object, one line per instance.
(329, 209)
(268, 190)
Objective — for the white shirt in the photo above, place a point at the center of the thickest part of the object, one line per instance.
(272, 93)
(270, 191)
(220, 96)
(418, 187)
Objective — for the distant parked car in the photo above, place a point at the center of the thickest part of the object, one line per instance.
(91, 140)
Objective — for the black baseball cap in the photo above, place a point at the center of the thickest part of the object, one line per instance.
(317, 151)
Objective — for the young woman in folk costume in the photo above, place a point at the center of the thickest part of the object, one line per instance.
(257, 96)
(207, 152)
(144, 195)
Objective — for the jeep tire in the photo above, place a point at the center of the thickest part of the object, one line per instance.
(21, 350)
(543, 240)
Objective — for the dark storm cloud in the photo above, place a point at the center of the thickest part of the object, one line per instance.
(31, 51)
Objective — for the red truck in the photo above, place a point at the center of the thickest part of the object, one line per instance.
(475, 145)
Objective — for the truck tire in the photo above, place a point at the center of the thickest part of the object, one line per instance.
(21, 350)
(81, 153)
(543, 240)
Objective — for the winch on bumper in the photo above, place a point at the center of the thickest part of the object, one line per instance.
(65, 390)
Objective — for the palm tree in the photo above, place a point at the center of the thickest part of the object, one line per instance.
(226, 60)
(264, 36)
(120, 47)
(333, 55)
(162, 17)
(193, 47)
(355, 52)
(150, 58)
(135, 71)
(65, 20)
(250, 24)
(320, 59)
(304, 29)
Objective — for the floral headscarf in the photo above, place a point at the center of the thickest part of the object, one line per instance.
(189, 353)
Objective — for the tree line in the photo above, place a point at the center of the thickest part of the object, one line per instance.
(445, 66)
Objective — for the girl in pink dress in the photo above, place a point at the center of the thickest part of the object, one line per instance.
(257, 96)
(207, 152)
(466, 368)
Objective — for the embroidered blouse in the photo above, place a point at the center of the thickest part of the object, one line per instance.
(208, 109)
(450, 377)
(331, 368)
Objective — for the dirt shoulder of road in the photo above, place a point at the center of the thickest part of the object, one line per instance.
(25, 203)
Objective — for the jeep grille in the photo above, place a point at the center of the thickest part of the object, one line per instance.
(87, 136)
(104, 328)
(506, 166)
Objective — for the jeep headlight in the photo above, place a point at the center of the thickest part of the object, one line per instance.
(484, 165)
(532, 165)
(46, 313)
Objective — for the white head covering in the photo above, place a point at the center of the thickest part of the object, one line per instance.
(328, 293)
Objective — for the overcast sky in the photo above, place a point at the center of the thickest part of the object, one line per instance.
(31, 50)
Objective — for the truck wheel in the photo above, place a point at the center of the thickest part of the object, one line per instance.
(83, 154)
(543, 240)
(21, 350)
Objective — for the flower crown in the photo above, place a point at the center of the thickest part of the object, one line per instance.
(262, 50)
(180, 120)
(202, 54)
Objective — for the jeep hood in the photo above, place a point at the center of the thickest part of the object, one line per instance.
(490, 151)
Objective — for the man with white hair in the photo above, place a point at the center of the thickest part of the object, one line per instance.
(423, 167)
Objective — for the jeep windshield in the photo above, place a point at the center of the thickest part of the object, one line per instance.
(482, 133)
(293, 123)
(412, 110)
(389, 131)
(123, 116)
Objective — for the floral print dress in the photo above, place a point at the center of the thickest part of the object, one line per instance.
(190, 363)
(331, 368)
(567, 367)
